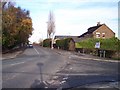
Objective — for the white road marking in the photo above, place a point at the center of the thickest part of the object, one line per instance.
(65, 78)
(78, 74)
(62, 82)
(17, 63)
(36, 51)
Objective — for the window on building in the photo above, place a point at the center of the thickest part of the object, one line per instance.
(103, 35)
(97, 35)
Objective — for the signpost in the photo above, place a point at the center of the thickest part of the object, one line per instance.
(102, 52)
(97, 45)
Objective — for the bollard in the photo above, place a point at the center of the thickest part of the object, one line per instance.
(104, 54)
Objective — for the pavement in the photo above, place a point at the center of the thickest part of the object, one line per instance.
(11, 55)
(84, 56)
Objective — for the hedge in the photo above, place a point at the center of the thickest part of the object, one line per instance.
(106, 44)
(47, 43)
(63, 43)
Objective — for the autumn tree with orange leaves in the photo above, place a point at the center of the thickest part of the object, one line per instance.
(16, 26)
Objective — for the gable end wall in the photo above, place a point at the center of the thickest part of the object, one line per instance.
(104, 29)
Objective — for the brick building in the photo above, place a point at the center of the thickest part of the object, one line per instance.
(99, 31)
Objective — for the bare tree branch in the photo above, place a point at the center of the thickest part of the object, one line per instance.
(51, 25)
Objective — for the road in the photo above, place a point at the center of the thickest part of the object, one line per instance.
(42, 64)
(27, 68)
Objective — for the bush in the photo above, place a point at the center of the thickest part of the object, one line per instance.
(63, 43)
(110, 46)
(66, 43)
(47, 43)
(60, 43)
(106, 44)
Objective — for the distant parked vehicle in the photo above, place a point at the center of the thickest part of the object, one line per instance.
(30, 46)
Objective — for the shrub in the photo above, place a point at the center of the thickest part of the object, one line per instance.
(106, 44)
(111, 46)
(60, 43)
(63, 43)
(47, 43)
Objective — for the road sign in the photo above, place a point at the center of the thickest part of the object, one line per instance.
(97, 45)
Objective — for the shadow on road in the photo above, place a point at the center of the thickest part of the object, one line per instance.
(39, 83)
(40, 68)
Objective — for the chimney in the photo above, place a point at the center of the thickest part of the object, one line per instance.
(98, 23)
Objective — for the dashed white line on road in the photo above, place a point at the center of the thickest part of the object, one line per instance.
(36, 51)
(17, 63)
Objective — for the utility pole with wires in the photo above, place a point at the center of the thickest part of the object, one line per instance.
(51, 27)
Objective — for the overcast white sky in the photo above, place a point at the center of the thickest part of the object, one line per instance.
(72, 17)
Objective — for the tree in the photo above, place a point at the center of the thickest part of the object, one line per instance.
(51, 27)
(16, 26)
